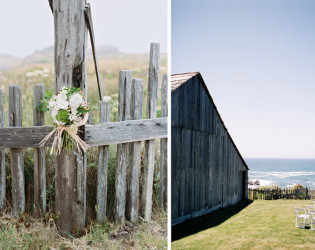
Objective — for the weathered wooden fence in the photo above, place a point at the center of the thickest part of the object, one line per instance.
(127, 133)
(278, 193)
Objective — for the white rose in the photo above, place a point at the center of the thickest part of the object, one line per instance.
(75, 101)
(62, 102)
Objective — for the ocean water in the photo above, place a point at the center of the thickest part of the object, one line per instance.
(283, 172)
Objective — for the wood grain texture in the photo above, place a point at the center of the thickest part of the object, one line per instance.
(89, 22)
(70, 181)
(95, 135)
(2, 161)
(124, 101)
(126, 131)
(149, 159)
(163, 149)
(132, 199)
(103, 152)
(39, 157)
(207, 169)
(17, 159)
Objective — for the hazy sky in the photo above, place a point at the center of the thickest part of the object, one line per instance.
(26, 26)
(257, 58)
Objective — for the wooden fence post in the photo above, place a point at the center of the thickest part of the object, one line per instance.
(163, 149)
(124, 96)
(39, 158)
(153, 85)
(70, 181)
(2, 161)
(132, 202)
(17, 159)
(103, 152)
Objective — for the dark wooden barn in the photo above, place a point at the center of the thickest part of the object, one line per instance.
(208, 171)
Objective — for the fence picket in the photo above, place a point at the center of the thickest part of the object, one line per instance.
(149, 156)
(132, 202)
(17, 159)
(124, 96)
(163, 149)
(2, 161)
(39, 157)
(102, 168)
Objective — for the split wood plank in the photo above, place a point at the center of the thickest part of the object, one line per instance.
(149, 157)
(163, 149)
(132, 202)
(103, 152)
(95, 135)
(89, 22)
(39, 157)
(124, 97)
(2, 161)
(17, 159)
(70, 181)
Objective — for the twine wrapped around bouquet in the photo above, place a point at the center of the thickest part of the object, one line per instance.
(72, 131)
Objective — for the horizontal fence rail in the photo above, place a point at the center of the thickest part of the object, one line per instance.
(285, 193)
(96, 135)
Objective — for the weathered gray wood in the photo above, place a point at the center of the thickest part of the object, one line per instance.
(17, 159)
(103, 152)
(39, 158)
(96, 135)
(206, 149)
(149, 159)
(124, 98)
(2, 161)
(132, 200)
(70, 181)
(126, 131)
(163, 149)
(89, 22)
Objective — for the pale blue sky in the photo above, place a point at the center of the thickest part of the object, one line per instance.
(257, 58)
(26, 26)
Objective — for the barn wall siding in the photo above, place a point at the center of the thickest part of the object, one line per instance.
(207, 170)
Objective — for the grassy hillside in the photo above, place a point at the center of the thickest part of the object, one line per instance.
(257, 225)
(38, 68)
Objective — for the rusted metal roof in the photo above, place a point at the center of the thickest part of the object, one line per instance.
(178, 79)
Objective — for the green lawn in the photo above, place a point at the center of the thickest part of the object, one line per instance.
(256, 225)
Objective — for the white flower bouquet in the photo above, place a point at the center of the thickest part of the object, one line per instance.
(69, 111)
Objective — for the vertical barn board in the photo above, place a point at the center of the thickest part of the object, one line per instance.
(182, 174)
(2, 161)
(124, 97)
(132, 199)
(39, 157)
(147, 187)
(205, 140)
(163, 149)
(70, 181)
(174, 160)
(211, 171)
(218, 171)
(202, 173)
(187, 166)
(17, 159)
(196, 170)
(103, 152)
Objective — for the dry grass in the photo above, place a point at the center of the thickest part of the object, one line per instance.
(260, 225)
(29, 233)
